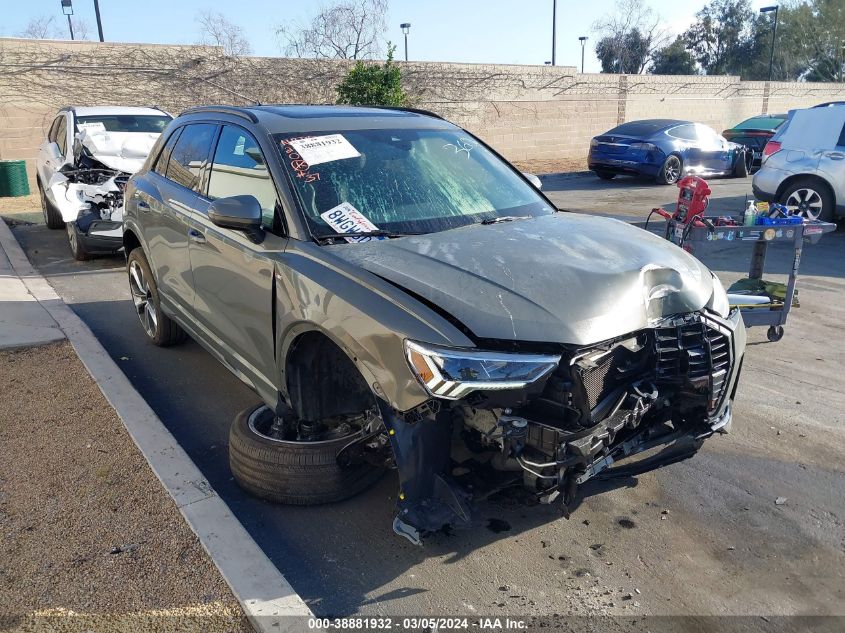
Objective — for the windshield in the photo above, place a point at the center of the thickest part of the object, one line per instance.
(123, 123)
(402, 181)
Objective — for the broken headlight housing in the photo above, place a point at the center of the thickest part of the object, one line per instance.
(719, 299)
(452, 373)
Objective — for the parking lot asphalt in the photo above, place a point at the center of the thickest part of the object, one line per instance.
(632, 198)
(704, 536)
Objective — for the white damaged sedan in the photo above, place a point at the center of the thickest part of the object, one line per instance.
(83, 166)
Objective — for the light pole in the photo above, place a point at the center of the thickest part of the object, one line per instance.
(554, 30)
(67, 9)
(406, 27)
(99, 22)
(774, 35)
(583, 39)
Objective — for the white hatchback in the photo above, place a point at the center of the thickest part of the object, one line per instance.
(83, 166)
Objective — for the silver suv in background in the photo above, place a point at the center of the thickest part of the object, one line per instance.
(804, 164)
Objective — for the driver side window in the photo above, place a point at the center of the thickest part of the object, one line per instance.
(239, 169)
(61, 134)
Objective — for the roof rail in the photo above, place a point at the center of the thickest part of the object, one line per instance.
(405, 109)
(223, 109)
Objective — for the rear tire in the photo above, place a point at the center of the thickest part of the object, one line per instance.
(606, 175)
(809, 197)
(670, 172)
(296, 473)
(52, 217)
(77, 248)
(740, 169)
(161, 329)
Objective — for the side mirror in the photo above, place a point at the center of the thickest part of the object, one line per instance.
(533, 180)
(242, 213)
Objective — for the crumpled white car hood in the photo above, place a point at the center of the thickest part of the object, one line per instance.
(123, 151)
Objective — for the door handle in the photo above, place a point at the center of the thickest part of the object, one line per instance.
(196, 236)
(835, 155)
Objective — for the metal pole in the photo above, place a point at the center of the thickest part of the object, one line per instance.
(774, 37)
(406, 47)
(99, 22)
(583, 42)
(554, 30)
(70, 26)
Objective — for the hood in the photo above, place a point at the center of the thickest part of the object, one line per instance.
(563, 278)
(123, 151)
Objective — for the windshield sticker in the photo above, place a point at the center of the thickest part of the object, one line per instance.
(315, 150)
(93, 126)
(344, 218)
(298, 165)
(463, 145)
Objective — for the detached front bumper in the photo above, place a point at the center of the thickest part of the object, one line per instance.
(685, 398)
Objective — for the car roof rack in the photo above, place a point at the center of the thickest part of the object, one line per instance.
(406, 109)
(223, 109)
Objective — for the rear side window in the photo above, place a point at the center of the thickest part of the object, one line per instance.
(239, 169)
(684, 132)
(61, 134)
(161, 161)
(190, 155)
(54, 127)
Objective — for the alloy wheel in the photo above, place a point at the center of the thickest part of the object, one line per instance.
(143, 299)
(673, 169)
(806, 202)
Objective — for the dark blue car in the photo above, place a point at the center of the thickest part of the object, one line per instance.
(666, 150)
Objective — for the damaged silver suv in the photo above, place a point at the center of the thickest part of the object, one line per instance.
(400, 297)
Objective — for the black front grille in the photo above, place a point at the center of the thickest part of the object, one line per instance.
(694, 352)
(604, 376)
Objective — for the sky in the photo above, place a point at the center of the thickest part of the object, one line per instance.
(483, 31)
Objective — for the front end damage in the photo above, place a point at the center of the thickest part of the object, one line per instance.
(88, 189)
(668, 386)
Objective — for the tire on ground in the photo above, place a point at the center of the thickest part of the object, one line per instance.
(52, 217)
(670, 171)
(168, 331)
(77, 248)
(296, 473)
(819, 187)
(605, 175)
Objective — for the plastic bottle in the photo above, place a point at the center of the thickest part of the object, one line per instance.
(750, 214)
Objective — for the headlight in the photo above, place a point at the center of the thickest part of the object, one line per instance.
(452, 373)
(719, 300)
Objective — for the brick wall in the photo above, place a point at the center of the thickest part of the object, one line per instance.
(525, 112)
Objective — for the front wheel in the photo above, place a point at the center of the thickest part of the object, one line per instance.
(77, 247)
(670, 172)
(289, 471)
(161, 329)
(52, 217)
(605, 175)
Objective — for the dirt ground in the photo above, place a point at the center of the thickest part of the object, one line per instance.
(89, 540)
(20, 204)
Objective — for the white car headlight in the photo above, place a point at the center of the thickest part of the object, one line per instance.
(452, 373)
(719, 300)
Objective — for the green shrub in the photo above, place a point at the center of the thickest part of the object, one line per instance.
(373, 84)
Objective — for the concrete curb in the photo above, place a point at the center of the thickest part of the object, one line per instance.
(268, 600)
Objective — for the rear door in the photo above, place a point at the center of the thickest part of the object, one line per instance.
(166, 208)
(233, 276)
(832, 166)
(715, 152)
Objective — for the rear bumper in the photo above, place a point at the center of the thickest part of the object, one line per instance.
(623, 167)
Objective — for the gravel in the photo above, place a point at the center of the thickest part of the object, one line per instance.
(88, 537)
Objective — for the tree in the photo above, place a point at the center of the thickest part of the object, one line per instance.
(42, 27)
(721, 36)
(347, 29)
(674, 59)
(629, 37)
(216, 30)
(373, 84)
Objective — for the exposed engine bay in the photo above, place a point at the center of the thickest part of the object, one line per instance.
(88, 189)
(669, 386)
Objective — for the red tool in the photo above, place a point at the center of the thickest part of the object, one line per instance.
(692, 200)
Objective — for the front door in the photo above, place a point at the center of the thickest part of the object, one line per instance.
(51, 153)
(232, 275)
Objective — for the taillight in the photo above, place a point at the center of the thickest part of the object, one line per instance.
(771, 148)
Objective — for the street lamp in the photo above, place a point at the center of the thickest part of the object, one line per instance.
(554, 30)
(67, 9)
(583, 39)
(774, 35)
(99, 21)
(406, 27)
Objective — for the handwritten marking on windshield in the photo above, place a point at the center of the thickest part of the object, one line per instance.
(461, 146)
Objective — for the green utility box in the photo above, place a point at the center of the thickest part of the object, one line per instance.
(13, 181)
